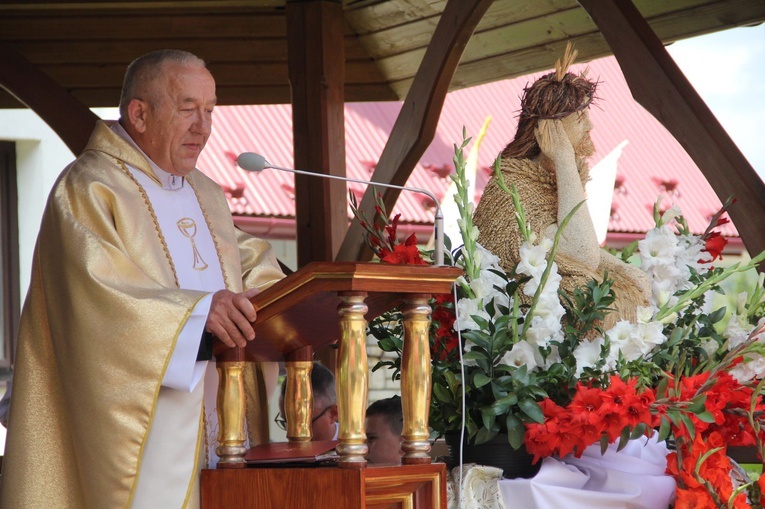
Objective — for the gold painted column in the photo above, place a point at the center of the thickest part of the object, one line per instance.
(352, 380)
(230, 405)
(298, 401)
(416, 379)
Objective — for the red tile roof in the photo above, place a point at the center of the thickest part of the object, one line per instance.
(653, 163)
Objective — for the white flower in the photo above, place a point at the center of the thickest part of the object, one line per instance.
(651, 335)
(466, 309)
(742, 372)
(738, 329)
(486, 259)
(552, 357)
(710, 346)
(645, 314)
(522, 354)
(658, 248)
(587, 354)
(671, 214)
(540, 333)
(634, 340)
(533, 259)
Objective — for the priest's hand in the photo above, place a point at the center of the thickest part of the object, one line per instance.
(231, 316)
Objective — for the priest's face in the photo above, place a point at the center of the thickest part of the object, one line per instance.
(178, 117)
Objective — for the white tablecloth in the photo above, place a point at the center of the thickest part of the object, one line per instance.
(632, 478)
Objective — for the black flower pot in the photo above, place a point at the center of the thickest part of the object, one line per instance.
(497, 452)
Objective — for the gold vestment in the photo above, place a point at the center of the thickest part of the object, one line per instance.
(98, 327)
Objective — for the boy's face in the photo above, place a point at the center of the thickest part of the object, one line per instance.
(384, 446)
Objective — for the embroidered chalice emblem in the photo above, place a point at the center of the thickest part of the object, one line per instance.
(188, 228)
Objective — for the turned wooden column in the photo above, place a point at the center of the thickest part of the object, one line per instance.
(352, 380)
(230, 406)
(416, 379)
(298, 400)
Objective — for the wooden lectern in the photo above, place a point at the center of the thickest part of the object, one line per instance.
(319, 304)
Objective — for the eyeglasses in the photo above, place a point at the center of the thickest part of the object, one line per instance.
(281, 422)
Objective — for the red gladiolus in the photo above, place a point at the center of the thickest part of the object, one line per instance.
(446, 337)
(715, 245)
(722, 221)
(406, 253)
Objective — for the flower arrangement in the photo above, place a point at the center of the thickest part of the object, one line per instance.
(552, 379)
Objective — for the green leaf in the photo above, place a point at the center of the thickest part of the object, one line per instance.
(441, 394)
(484, 435)
(698, 404)
(638, 431)
(661, 389)
(688, 423)
(717, 315)
(664, 429)
(488, 418)
(706, 416)
(509, 400)
(603, 444)
(515, 431)
(532, 409)
(624, 438)
(480, 379)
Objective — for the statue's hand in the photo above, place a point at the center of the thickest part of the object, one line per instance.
(554, 142)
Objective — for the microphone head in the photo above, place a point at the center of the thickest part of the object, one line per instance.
(252, 162)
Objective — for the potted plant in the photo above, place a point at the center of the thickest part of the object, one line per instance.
(550, 379)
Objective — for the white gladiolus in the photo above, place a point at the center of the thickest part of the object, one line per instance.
(488, 259)
(671, 214)
(651, 335)
(738, 329)
(645, 314)
(587, 354)
(466, 309)
(522, 354)
(658, 248)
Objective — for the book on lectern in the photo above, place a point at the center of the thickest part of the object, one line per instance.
(292, 452)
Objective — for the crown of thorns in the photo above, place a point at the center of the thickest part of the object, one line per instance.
(552, 94)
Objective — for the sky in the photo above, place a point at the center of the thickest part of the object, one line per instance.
(727, 69)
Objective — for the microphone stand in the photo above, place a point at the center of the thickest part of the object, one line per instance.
(257, 163)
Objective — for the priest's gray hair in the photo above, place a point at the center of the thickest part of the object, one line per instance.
(146, 69)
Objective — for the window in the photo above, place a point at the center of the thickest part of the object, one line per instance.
(9, 255)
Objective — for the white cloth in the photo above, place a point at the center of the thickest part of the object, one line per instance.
(479, 488)
(632, 478)
(197, 267)
(173, 200)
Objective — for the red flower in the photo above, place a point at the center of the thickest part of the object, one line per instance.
(715, 245)
(406, 253)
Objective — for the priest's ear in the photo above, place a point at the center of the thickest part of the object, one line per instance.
(138, 111)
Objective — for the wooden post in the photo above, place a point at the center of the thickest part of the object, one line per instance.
(68, 117)
(317, 74)
(416, 124)
(661, 88)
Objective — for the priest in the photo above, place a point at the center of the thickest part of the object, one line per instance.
(137, 265)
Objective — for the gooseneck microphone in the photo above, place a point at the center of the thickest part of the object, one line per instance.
(255, 162)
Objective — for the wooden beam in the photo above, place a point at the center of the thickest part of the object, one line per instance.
(316, 70)
(416, 124)
(68, 117)
(661, 88)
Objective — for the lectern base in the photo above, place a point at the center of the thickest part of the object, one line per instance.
(407, 486)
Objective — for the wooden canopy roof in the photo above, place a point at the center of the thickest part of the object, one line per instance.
(85, 45)
(59, 56)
